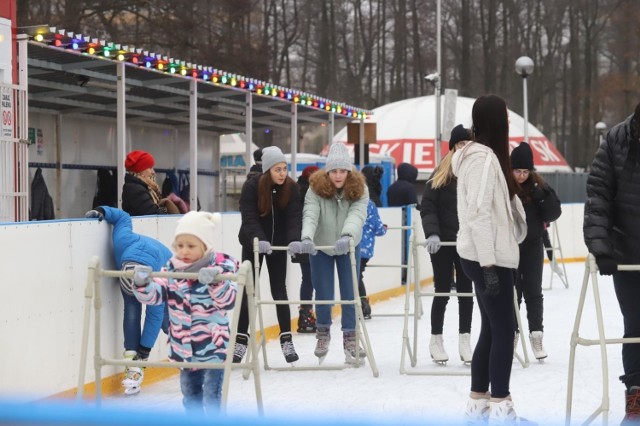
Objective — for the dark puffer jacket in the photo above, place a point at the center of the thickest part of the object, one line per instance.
(136, 199)
(439, 211)
(279, 227)
(403, 191)
(612, 212)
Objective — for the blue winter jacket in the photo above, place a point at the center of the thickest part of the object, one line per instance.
(373, 227)
(131, 247)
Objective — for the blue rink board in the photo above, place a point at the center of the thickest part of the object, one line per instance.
(69, 413)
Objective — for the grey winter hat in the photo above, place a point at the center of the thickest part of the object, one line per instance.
(338, 158)
(271, 156)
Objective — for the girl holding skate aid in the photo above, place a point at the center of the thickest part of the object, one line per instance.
(199, 324)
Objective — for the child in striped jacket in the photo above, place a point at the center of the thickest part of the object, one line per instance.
(199, 324)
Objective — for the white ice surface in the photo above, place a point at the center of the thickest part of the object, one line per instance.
(539, 391)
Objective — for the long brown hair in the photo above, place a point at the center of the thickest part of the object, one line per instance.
(526, 187)
(266, 187)
(491, 128)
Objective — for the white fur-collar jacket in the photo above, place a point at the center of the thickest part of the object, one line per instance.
(491, 225)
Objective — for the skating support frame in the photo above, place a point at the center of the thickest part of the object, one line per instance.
(362, 336)
(591, 271)
(243, 278)
(410, 348)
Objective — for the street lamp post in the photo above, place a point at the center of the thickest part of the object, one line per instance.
(434, 79)
(600, 129)
(524, 67)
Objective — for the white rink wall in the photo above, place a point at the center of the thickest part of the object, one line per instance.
(45, 274)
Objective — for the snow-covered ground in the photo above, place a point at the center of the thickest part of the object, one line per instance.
(539, 391)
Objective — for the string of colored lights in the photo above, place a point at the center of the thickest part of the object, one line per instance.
(62, 39)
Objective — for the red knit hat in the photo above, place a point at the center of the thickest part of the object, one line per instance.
(306, 172)
(138, 161)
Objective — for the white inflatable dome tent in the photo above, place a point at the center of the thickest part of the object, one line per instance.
(406, 131)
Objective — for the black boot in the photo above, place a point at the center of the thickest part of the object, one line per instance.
(306, 320)
(366, 307)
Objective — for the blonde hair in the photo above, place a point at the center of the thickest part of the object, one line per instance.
(444, 173)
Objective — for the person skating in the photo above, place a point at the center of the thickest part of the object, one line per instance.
(492, 224)
(541, 205)
(131, 249)
(306, 315)
(612, 234)
(271, 211)
(440, 223)
(198, 309)
(335, 210)
(373, 227)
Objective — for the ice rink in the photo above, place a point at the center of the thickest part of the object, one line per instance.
(539, 391)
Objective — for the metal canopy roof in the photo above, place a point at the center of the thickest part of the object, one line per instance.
(71, 82)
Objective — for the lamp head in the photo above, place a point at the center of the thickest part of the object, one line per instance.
(601, 126)
(432, 78)
(524, 66)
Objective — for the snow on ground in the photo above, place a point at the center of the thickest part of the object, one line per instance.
(539, 391)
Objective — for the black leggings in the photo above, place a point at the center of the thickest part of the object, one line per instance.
(529, 282)
(277, 267)
(493, 356)
(443, 263)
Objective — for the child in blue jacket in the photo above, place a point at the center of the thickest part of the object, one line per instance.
(131, 249)
(373, 227)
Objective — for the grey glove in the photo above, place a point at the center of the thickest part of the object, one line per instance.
(95, 214)
(308, 247)
(141, 275)
(208, 275)
(342, 245)
(491, 281)
(264, 247)
(432, 244)
(295, 247)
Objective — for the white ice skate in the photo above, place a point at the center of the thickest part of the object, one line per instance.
(133, 377)
(436, 348)
(464, 348)
(535, 337)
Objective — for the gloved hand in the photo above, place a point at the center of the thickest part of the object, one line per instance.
(208, 275)
(308, 247)
(264, 247)
(606, 265)
(98, 213)
(491, 281)
(432, 244)
(557, 269)
(295, 247)
(141, 275)
(342, 245)
(537, 194)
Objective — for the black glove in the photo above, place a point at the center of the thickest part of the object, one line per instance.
(97, 213)
(606, 265)
(491, 281)
(537, 193)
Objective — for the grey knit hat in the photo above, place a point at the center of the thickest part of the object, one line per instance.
(338, 158)
(271, 156)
